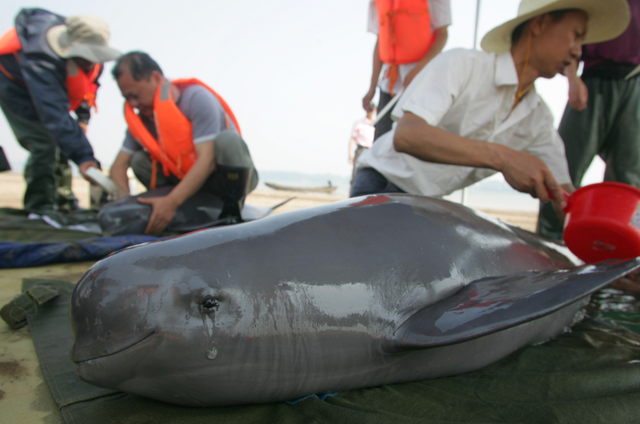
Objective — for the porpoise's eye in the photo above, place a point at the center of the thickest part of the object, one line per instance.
(210, 304)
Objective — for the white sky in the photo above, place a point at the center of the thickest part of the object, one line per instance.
(293, 71)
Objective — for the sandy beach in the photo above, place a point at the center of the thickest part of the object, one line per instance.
(12, 189)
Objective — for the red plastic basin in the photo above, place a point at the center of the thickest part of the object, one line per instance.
(603, 222)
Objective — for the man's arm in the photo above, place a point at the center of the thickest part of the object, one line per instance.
(375, 75)
(164, 208)
(578, 94)
(442, 34)
(46, 82)
(352, 143)
(118, 173)
(523, 171)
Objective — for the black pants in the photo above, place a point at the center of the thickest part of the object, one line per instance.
(370, 181)
(384, 125)
(47, 172)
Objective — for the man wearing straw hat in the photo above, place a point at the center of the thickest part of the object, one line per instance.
(470, 114)
(49, 66)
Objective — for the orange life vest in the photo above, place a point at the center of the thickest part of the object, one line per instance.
(174, 148)
(80, 85)
(404, 34)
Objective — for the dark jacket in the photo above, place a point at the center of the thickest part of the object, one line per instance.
(43, 95)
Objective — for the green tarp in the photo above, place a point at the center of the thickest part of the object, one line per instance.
(15, 226)
(26, 242)
(588, 375)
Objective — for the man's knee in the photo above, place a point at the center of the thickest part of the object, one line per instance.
(139, 160)
(231, 150)
(141, 165)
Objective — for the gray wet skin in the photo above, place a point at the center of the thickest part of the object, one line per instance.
(359, 293)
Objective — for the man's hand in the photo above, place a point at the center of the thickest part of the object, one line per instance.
(578, 95)
(375, 74)
(366, 100)
(568, 189)
(84, 166)
(529, 174)
(164, 209)
(630, 282)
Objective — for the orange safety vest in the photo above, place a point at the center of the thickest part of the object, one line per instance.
(80, 85)
(404, 35)
(174, 148)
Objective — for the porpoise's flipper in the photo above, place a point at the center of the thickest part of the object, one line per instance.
(489, 305)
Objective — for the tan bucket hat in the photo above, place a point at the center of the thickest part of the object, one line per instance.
(607, 20)
(82, 36)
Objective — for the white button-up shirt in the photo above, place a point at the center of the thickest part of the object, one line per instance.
(469, 93)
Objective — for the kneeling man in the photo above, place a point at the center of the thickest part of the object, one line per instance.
(184, 135)
(470, 114)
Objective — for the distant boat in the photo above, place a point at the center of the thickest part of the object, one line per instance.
(325, 189)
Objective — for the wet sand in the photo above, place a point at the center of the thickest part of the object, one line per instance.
(12, 189)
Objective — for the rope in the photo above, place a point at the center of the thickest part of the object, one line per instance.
(154, 174)
(522, 91)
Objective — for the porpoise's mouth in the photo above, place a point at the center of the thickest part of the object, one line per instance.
(146, 340)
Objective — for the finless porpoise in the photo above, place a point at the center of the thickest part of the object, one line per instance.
(358, 293)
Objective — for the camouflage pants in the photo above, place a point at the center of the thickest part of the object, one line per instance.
(47, 172)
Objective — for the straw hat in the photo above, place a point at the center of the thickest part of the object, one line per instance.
(607, 20)
(82, 36)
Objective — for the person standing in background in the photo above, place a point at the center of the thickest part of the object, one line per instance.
(410, 34)
(602, 116)
(361, 137)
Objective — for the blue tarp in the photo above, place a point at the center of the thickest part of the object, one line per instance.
(20, 255)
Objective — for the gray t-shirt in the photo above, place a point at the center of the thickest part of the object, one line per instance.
(200, 107)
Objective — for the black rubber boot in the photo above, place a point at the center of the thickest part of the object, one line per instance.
(4, 163)
(234, 187)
